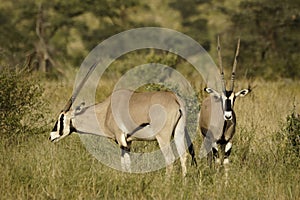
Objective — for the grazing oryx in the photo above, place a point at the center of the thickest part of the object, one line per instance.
(153, 116)
(223, 103)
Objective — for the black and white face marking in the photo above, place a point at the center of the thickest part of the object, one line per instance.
(227, 98)
(62, 128)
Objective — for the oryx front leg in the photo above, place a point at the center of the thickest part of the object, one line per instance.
(226, 160)
(215, 153)
(125, 150)
(227, 153)
(125, 160)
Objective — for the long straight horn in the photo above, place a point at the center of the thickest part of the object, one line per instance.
(234, 65)
(79, 87)
(221, 66)
(68, 105)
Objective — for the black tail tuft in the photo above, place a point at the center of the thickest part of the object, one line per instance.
(191, 148)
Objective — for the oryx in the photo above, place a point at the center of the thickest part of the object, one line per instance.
(222, 103)
(126, 116)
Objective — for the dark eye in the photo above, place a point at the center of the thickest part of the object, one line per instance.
(216, 98)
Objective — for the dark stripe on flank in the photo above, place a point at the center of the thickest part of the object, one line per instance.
(61, 124)
(141, 126)
(72, 128)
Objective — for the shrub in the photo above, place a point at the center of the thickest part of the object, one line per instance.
(288, 139)
(21, 105)
(293, 132)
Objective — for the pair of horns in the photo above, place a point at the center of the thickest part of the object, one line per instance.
(233, 68)
(79, 87)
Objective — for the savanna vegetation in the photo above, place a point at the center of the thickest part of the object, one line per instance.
(42, 44)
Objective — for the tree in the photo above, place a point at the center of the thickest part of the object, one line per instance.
(42, 31)
(192, 22)
(269, 30)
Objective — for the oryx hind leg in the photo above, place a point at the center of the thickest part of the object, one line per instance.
(165, 146)
(179, 138)
(206, 150)
(213, 157)
(209, 148)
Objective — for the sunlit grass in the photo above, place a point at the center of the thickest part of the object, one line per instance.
(38, 169)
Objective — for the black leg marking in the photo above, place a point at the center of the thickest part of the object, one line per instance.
(215, 152)
(227, 150)
(227, 153)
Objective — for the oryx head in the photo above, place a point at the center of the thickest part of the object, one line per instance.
(227, 97)
(63, 126)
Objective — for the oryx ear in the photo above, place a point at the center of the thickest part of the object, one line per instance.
(242, 93)
(209, 90)
(212, 91)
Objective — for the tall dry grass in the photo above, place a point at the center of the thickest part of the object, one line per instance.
(38, 169)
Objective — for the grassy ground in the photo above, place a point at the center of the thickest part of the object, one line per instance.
(38, 169)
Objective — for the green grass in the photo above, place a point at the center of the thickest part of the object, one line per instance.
(38, 169)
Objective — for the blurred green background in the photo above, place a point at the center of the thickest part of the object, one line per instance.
(48, 36)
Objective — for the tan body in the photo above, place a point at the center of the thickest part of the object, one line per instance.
(217, 116)
(228, 129)
(126, 116)
(215, 130)
(139, 107)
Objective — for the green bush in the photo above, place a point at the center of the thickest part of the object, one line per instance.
(22, 108)
(288, 139)
(293, 132)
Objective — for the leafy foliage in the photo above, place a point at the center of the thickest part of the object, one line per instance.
(292, 130)
(269, 31)
(193, 24)
(288, 140)
(47, 32)
(53, 34)
(22, 107)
